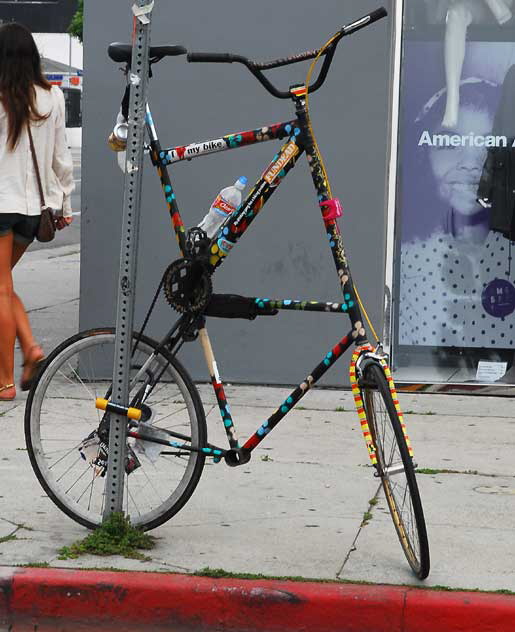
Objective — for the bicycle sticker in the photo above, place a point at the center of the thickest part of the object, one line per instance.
(289, 152)
(223, 207)
(216, 375)
(196, 149)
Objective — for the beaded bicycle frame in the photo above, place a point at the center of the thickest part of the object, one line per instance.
(298, 139)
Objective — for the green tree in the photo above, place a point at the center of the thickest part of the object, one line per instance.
(75, 27)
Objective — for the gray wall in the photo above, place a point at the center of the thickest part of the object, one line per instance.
(285, 253)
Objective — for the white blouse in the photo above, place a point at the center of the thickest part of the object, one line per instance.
(18, 184)
(441, 293)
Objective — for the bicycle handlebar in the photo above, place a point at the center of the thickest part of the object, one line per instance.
(365, 21)
(215, 58)
(256, 68)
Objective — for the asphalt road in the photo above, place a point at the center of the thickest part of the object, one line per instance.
(70, 235)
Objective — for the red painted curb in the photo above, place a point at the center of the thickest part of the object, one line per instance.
(154, 601)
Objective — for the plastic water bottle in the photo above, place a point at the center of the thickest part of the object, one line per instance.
(225, 203)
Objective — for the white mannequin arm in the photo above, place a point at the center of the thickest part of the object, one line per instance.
(500, 9)
(459, 17)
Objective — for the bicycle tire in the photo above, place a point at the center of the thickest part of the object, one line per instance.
(395, 468)
(55, 434)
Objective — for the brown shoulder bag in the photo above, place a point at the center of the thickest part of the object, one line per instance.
(46, 229)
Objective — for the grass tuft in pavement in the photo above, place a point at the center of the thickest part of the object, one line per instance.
(116, 536)
(8, 538)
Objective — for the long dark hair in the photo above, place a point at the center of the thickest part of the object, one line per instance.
(20, 72)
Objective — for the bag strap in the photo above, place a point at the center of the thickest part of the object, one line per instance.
(36, 167)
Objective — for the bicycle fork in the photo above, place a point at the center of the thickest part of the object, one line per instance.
(362, 353)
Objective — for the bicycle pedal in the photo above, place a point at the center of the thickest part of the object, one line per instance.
(94, 452)
(131, 461)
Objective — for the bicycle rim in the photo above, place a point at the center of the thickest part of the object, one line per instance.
(396, 469)
(61, 419)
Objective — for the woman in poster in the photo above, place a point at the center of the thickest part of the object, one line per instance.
(456, 283)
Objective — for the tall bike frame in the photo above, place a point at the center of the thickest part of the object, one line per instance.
(167, 435)
(299, 139)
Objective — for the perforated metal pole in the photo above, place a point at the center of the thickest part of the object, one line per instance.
(142, 10)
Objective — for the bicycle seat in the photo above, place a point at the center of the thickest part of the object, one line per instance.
(123, 52)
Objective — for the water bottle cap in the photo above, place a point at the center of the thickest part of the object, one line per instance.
(242, 179)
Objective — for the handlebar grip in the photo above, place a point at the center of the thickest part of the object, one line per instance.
(365, 21)
(378, 14)
(218, 58)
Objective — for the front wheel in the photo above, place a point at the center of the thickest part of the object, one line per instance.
(67, 451)
(395, 468)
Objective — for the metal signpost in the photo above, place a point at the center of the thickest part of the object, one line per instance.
(138, 78)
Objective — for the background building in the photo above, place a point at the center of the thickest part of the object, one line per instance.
(49, 21)
(40, 16)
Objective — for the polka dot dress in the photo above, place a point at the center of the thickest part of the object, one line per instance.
(444, 286)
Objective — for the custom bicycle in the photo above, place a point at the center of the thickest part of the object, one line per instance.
(167, 440)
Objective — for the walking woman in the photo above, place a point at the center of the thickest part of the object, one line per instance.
(26, 100)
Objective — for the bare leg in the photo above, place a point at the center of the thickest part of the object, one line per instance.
(500, 9)
(23, 329)
(459, 17)
(7, 322)
(32, 352)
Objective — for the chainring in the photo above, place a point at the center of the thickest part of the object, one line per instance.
(187, 286)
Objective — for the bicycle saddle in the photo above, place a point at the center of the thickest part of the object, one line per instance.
(123, 52)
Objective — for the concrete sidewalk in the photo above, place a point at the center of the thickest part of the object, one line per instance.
(297, 508)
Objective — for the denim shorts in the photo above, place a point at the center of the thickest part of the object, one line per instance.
(24, 227)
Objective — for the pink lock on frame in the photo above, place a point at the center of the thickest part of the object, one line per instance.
(331, 209)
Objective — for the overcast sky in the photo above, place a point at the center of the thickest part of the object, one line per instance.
(56, 46)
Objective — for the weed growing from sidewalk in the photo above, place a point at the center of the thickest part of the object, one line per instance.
(367, 516)
(9, 538)
(220, 573)
(116, 536)
(428, 470)
(12, 535)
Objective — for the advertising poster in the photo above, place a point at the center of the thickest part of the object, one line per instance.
(455, 271)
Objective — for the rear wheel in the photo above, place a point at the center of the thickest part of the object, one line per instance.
(65, 445)
(395, 468)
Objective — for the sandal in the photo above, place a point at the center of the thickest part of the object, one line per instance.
(6, 387)
(31, 369)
